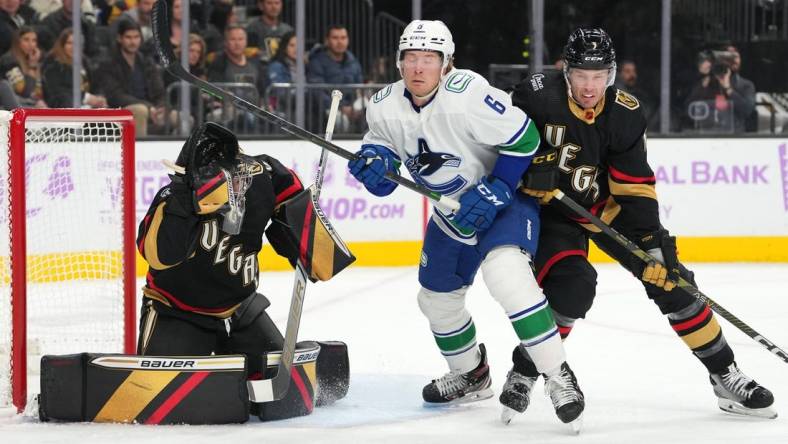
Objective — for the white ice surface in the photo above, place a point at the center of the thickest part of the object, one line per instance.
(642, 385)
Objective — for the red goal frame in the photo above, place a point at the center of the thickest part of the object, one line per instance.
(16, 139)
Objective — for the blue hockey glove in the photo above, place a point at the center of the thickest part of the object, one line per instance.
(371, 166)
(479, 205)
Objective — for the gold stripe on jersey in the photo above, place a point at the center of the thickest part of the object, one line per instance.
(632, 189)
(151, 247)
(611, 210)
(133, 395)
(703, 336)
(586, 115)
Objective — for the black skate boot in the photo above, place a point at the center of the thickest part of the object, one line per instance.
(516, 394)
(738, 393)
(567, 397)
(458, 388)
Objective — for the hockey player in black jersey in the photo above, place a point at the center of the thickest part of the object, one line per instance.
(201, 238)
(595, 152)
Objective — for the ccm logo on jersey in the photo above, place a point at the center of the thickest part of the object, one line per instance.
(549, 157)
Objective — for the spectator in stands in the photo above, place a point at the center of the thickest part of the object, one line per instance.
(196, 68)
(51, 27)
(234, 65)
(149, 46)
(266, 32)
(333, 63)
(133, 81)
(282, 68)
(741, 91)
(720, 100)
(21, 67)
(7, 97)
(628, 81)
(222, 15)
(140, 14)
(13, 15)
(57, 77)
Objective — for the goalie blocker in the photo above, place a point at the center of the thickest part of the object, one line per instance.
(88, 387)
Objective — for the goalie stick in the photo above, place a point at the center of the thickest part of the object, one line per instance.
(267, 390)
(683, 284)
(161, 36)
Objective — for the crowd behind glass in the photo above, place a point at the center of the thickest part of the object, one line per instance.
(253, 53)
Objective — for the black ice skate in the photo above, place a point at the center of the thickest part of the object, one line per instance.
(567, 398)
(515, 395)
(740, 394)
(459, 388)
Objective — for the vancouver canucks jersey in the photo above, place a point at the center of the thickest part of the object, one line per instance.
(601, 151)
(450, 143)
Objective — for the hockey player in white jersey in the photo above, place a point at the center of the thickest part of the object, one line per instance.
(459, 136)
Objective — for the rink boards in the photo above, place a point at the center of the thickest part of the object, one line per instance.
(726, 199)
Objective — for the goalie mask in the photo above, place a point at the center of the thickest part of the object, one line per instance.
(218, 174)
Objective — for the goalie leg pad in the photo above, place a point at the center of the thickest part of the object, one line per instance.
(144, 389)
(320, 376)
(333, 372)
(300, 397)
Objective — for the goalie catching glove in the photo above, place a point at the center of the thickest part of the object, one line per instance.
(664, 272)
(217, 174)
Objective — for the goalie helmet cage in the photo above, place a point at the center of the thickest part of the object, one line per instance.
(67, 216)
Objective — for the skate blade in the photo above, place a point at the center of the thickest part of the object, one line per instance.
(472, 397)
(576, 425)
(507, 414)
(737, 409)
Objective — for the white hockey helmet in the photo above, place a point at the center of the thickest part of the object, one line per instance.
(427, 35)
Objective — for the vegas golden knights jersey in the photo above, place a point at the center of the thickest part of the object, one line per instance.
(601, 151)
(194, 265)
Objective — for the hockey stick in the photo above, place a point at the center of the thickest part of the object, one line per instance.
(336, 96)
(267, 390)
(161, 35)
(683, 284)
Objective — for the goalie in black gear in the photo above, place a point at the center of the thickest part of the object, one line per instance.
(201, 238)
(595, 152)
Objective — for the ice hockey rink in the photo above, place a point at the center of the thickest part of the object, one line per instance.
(641, 383)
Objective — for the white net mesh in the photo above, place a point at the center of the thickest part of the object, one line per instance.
(73, 176)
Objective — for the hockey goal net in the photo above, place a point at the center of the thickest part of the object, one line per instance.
(66, 239)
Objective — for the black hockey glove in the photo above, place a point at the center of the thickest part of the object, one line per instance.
(541, 178)
(664, 272)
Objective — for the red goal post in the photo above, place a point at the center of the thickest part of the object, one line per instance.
(67, 258)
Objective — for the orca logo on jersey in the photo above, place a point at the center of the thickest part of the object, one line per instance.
(427, 162)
